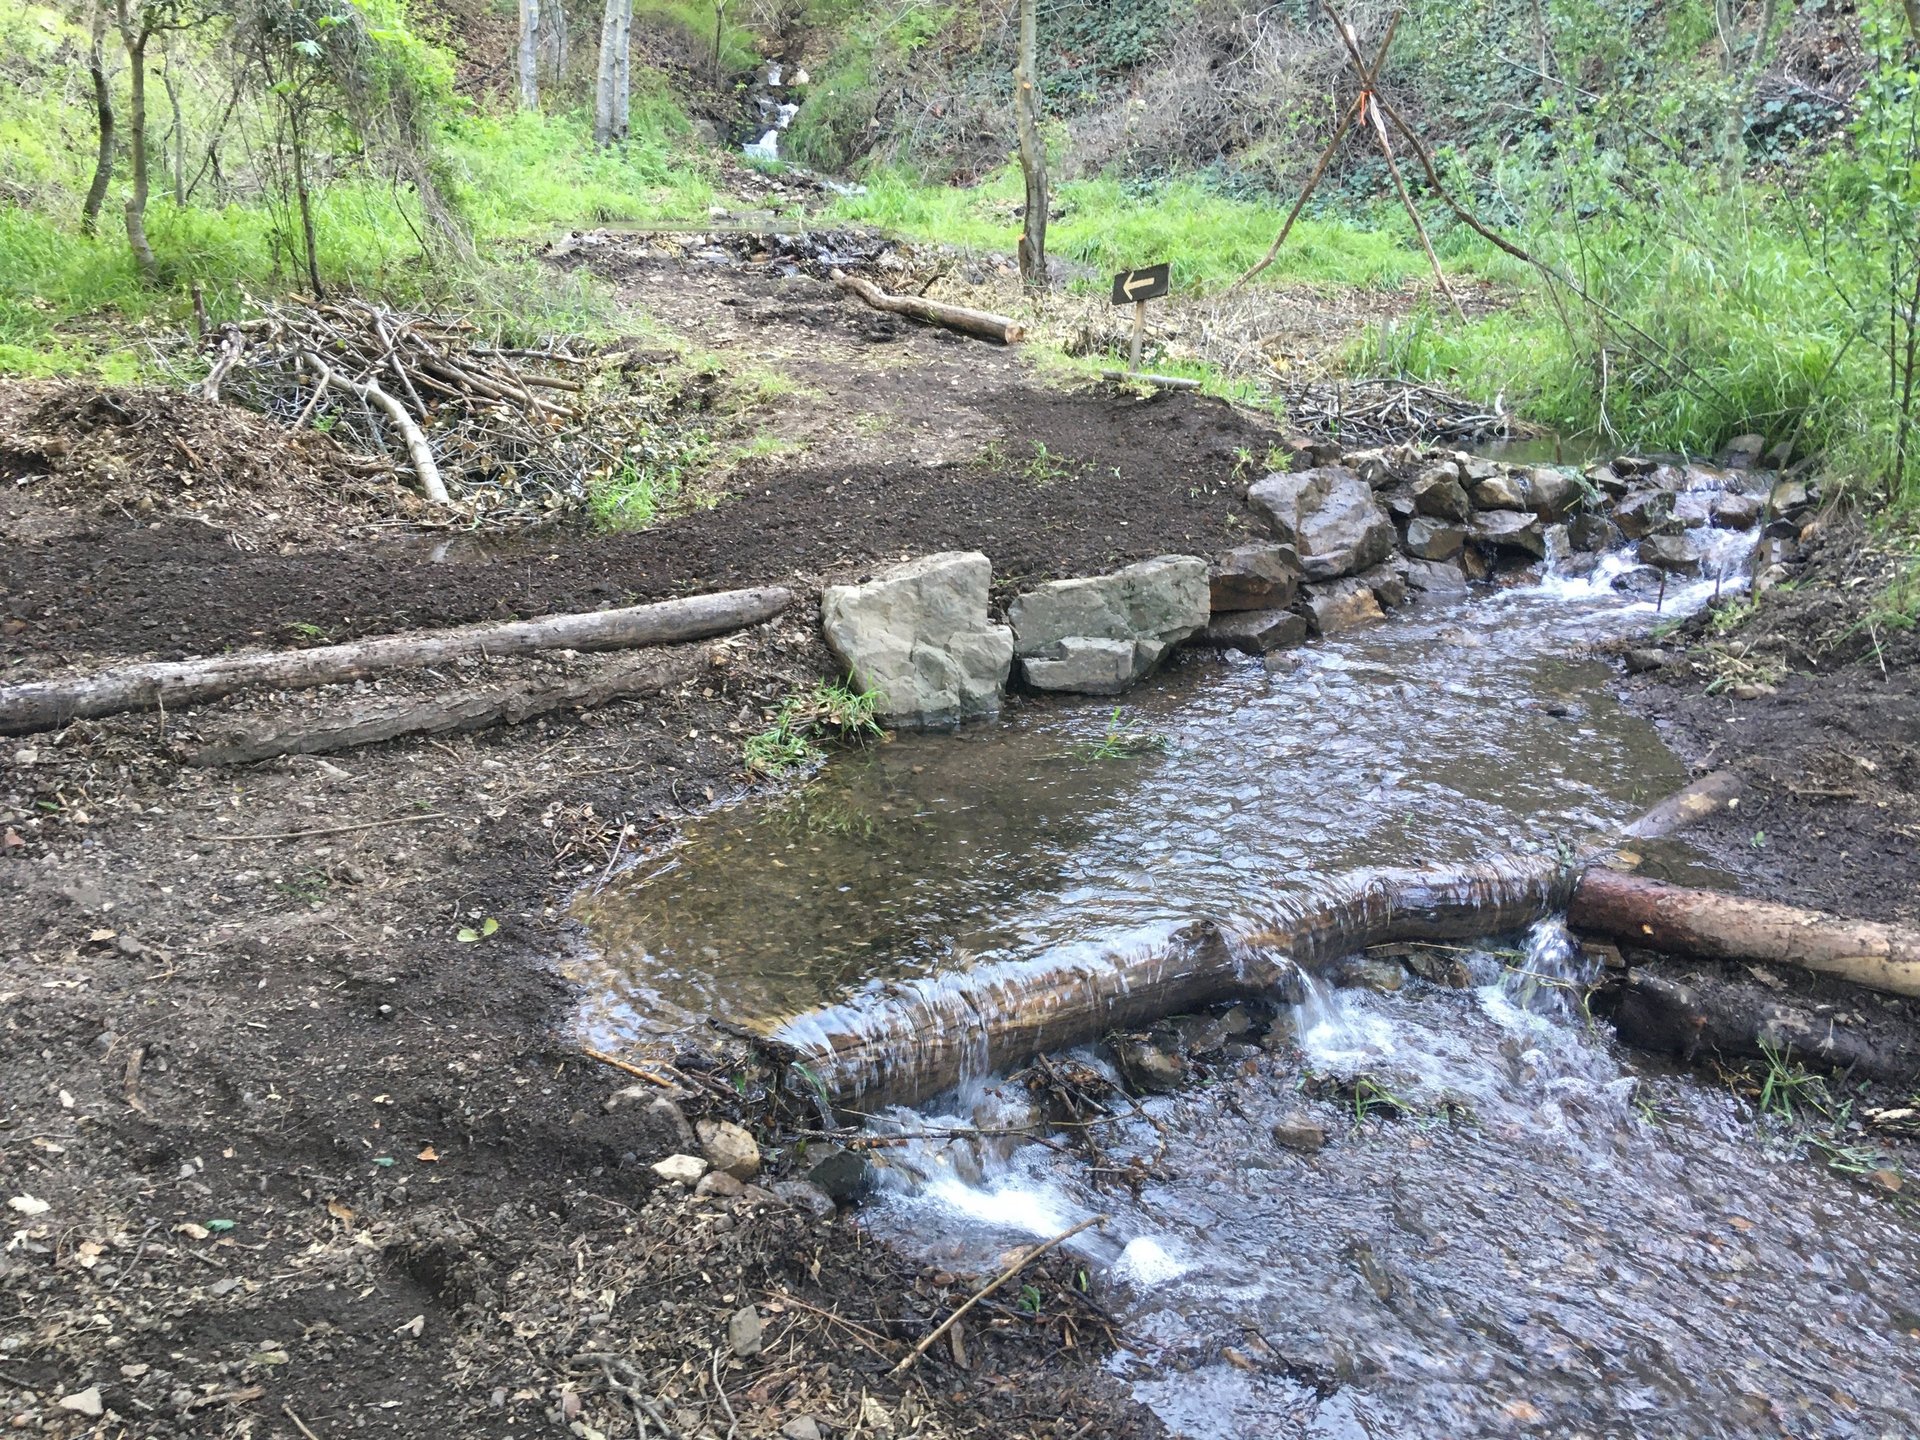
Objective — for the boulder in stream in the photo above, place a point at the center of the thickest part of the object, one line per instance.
(1674, 554)
(1254, 577)
(1254, 632)
(1101, 634)
(1439, 495)
(1734, 511)
(1437, 579)
(1429, 539)
(1300, 1132)
(918, 633)
(1503, 490)
(729, 1148)
(1329, 515)
(1553, 493)
(1340, 605)
(1517, 531)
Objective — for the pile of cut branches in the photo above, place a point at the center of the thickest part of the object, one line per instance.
(503, 435)
(1386, 411)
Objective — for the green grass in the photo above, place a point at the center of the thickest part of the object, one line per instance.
(649, 477)
(1210, 239)
(830, 713)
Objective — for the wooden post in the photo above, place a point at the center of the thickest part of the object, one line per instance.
(1139, 330)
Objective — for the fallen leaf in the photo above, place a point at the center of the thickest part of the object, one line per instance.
(28, 1205)
(100, 937)
(1887, 1179)
(219, 1226)
(415, 1327)
(1521, 1410)
(192, 1231)
(343, 1213)
(428, 1153)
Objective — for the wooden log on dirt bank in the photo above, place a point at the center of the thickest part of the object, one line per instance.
(979, 323)
(45, 704)
(1705, 1018)
(442, 715)
(1717, 926)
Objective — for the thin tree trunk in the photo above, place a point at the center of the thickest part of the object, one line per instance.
(177, 139)
(530, 54)
(719, 34)
(934, 312)
(1743, 83)
(609, 99)
(623, 79)
(554, 41)
(305, 201)
(103, 107)
(135, 39)
(47, 704)
(1033, 152)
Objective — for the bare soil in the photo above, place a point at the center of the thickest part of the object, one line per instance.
(283, 1153)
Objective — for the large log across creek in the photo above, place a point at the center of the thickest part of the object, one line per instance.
(47, 704)
(917, 1038)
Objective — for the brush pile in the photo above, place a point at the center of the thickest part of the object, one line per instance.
(499, 436)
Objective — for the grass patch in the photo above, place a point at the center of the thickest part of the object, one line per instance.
(649, 478)
(1210, 239)
(830, 713)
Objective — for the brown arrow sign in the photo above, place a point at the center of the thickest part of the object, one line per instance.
(1132, 286)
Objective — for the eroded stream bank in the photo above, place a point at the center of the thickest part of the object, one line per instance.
(1503, 1222)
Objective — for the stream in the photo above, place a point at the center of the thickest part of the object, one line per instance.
(1535, 1233)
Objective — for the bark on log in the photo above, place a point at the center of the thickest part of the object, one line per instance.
(1735, 1022)
(444, 715)
(921, 1037)
(954, 317)
(1679, 921)
(46, 704)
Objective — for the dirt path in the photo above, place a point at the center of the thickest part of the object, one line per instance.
(299, 1145)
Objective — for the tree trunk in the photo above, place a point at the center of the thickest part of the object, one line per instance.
(933, 312)
(529, 54)
(719, 35)
(1742, 81)
(1732, 1020)
(305, 200)
(103, 107)
(1718, 926)
(1706, 796)
(623, 78)
(389, 720)
(135, 39)
(609, 99)
(177, 137)
(48, 704)
(554, 40)
(917, 1038)
(1033, 153)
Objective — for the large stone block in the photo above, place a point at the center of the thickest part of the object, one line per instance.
(919, 635)
(1256, 632)
(1329, 516)
(1254, 577)
(1100, 634)
(1338, 605)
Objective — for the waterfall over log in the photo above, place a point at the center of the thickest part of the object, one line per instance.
(920, 1037)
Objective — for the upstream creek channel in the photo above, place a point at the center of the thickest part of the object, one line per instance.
(1538, 1232)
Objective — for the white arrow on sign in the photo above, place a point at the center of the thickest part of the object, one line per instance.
(1144, 281)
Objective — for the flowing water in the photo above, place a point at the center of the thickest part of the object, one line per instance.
(1549, 1240)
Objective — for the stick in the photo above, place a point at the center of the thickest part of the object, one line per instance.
(47, 704)
(991, 1286)
(624, 1068)
(418, 451)
(1159, 382)
(328, 830)
(298, 1423)
(1369, 78)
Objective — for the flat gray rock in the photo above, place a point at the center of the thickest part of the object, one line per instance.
(919, 635)
(1329, 515)
(1101, 634)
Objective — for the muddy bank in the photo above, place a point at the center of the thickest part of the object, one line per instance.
(1819, 711)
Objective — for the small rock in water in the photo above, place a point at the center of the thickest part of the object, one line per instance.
(1380, 974)
(1672, 553)
(841, 1174)
(1146, 1068)
(730, 1148)
(681, 1170)
(1500, 492)
(1301, 1133)
(1438, 968)
(745, 1332)
(1642, 660)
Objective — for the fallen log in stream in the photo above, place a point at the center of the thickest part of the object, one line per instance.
(46, 704)
(920, 1037)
